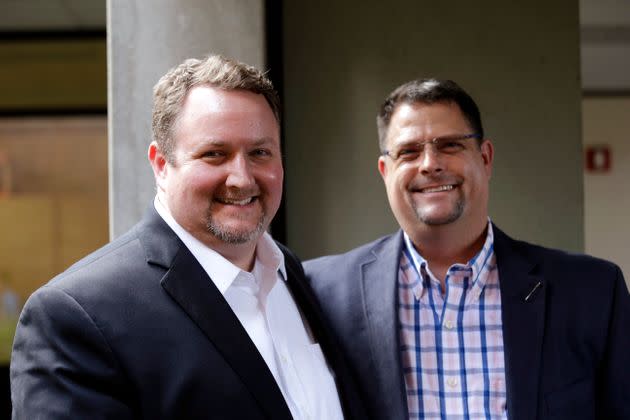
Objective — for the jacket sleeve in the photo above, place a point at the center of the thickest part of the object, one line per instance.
(614, 381)
(62, 366)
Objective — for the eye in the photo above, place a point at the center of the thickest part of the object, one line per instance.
(213, 155)
(261, 153)
(407, 153)
(450, 146)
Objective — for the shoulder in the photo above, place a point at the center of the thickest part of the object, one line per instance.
(350, 259)
(112, 275)
(98, 297)
(551, 258)
(576, 274)
(118, 256)
(76, 300)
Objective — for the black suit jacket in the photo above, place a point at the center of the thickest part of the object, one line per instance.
(567, 349)
(138, 330)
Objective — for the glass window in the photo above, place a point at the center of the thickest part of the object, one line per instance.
(53, 204)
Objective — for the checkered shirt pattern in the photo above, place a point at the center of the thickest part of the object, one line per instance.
(452, 345)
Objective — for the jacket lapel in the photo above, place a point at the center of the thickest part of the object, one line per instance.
(379, 287)
(189, 285)
(523, 295)
(306, 301)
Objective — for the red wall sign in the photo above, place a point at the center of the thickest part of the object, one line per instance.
(598, 158)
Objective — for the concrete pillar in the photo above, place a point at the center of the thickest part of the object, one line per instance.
(145, 38)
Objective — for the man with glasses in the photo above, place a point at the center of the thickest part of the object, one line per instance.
(450, 318)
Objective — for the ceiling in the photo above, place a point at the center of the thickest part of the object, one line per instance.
(605, 33)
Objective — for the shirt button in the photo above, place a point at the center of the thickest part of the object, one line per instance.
(452, 382)
(448, 324)
(283, 359)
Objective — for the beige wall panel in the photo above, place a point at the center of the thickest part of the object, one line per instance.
(606, 121)
(520, 60)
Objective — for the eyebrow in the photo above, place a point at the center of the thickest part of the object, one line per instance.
(408, 142)
(222, 143)
(263, 141)
(404, 143)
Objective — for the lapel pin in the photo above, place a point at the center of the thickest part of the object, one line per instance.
(533, 291)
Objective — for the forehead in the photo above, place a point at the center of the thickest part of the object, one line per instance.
(421, 121)
(206, 99)
(210, 113)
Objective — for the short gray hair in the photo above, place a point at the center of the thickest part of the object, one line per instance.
(216, 71)
(428, 91)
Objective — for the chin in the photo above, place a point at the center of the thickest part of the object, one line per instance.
(236, 234)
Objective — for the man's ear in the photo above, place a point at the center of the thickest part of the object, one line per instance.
(382, 167)
(487, 154)
(159, 164)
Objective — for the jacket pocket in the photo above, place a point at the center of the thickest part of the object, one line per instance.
(575, 401)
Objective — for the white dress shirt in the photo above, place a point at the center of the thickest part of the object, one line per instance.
(265, 307)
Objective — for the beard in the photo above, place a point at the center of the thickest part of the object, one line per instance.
(427, 213)
(234, 236)
(427, 217)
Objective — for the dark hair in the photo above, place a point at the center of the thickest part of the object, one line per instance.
(428, 91)
(216, 71)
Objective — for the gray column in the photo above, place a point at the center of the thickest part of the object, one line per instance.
(145, 38)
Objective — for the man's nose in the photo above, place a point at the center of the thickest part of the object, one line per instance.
(430, 161)
(239, 173)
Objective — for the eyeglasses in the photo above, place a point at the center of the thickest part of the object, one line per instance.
(447, 145)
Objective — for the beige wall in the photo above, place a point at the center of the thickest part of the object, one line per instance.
(607, 196)
(519, 59)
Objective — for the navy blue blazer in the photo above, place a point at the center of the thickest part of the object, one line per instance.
(567, 349)
(138, 330)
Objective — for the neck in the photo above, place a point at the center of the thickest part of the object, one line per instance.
(443, 246)
(243, 255)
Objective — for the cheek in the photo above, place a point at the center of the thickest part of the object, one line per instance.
(479, 175)
(277, 174)
(397, 188)
(196, 189)
(399, 182)
(204, 178)
(271, 178)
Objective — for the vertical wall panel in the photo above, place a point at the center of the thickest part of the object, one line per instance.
(519, 59)
(607, 194)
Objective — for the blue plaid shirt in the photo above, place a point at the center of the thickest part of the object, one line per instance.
(452, 343)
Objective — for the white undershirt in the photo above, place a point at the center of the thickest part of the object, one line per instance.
(267, 311)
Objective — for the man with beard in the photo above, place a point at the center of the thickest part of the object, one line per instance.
(195, 312)
(451, 318)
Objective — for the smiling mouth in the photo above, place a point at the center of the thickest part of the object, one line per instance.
(235, 202)
(440, 188)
